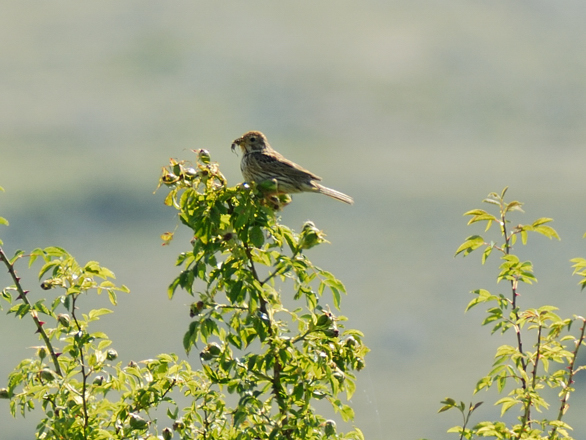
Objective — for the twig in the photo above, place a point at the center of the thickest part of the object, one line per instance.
(22, 295)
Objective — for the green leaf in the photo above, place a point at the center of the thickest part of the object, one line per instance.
(514, 206)
(507, 403)
(548, 231)
(483, 296)
(256, 236)
(96, 313)
(3, 221)
(472, 243)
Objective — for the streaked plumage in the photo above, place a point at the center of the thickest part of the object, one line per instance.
(260, 162)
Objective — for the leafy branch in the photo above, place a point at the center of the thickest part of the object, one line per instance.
(529, 369)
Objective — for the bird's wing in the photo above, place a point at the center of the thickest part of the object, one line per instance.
(278, 164)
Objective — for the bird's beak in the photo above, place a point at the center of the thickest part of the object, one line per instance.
(236, 143)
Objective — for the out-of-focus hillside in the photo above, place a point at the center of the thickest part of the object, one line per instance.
(417, 109)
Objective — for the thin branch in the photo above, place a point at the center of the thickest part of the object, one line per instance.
(276, 385)
(83, 371)
(527, 416)
(22, 295)
(571, 372)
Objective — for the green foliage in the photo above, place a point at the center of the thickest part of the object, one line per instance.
(240, 258)
(542, 353)
(274, 362)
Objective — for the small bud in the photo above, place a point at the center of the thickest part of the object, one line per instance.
(99, 380)
(330, 428)
(310, 236)
(195, 308)
(228, 236)
(350, 342)
(167, 434)
(359, 364)
(46, 285)
(169, 179)
(4, 393)
(132, 364)
(64, 319)
(137, 422)
(212, 350)
(332, 332)
(42, 353)
(203, 156)
(339, 376)
(47, 375)
(325, 320)
(178, 425)
(189, 173)
(111, 354)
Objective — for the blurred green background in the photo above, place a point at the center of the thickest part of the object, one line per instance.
(418, 109)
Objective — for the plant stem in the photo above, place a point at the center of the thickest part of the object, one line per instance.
(571, 372)
(277, 387)
(527, 416)
(83, 371)
(22, 295)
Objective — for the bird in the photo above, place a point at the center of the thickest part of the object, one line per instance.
(260, 162)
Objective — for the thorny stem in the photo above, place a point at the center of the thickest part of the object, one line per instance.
(22, 295)
(571, 372)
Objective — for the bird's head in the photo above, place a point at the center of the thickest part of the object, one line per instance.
(251, 141)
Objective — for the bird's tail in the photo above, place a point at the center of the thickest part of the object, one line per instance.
(334, 194)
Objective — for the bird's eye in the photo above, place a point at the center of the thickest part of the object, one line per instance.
(252, 138)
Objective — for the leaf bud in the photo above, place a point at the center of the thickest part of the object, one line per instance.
(310, 236)
(203, 156)
(212, 350)
(42, 353)
(339, 375)
(47, 374)
(330, 428)
(169, 179)
(4, 393)
(99, 380)
(332, 332)
(137, 422)
(196, 308)
(325, 320)
(350, 342)
(111, 354)
(178, 425)
(167, 434)
(228, 236)
(189, 173)
(63, 319)
(47, 285)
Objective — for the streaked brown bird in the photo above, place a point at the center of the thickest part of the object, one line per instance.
(260, 162)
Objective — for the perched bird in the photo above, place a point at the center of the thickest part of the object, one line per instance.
(260, 162)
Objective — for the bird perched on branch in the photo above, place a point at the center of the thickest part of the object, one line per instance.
(260, 163)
